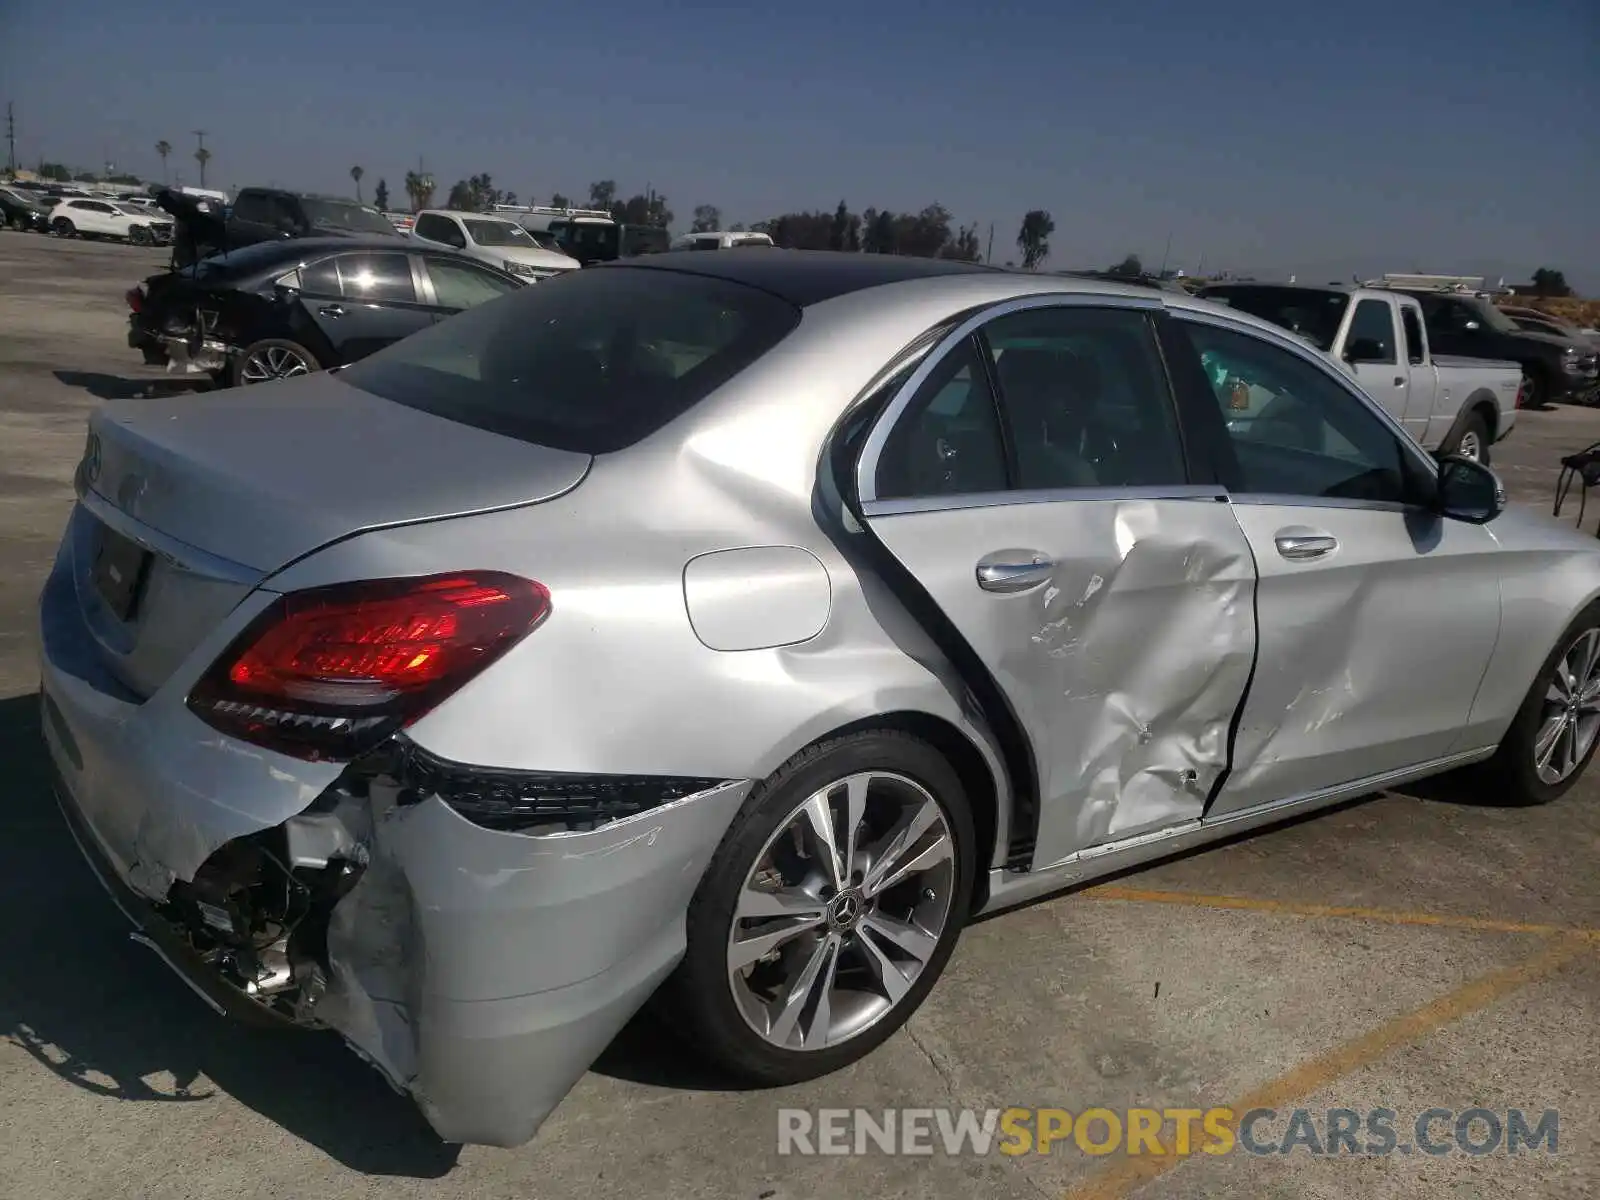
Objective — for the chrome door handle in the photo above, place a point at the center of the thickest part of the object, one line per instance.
(1013, 570)
(1298, 547)
(332, 310)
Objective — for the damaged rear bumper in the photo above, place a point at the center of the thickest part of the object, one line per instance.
(481, 971)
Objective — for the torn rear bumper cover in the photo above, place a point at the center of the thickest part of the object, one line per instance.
(481, 971)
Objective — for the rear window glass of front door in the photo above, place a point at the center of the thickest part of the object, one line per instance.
(376, 277)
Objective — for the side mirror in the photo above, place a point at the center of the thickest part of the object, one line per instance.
(1469, 491)
(1365, 350)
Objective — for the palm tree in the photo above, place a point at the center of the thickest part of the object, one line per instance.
(202, 156)
(1034, 238)
(163, 148)
(419, 187)
(356, 173)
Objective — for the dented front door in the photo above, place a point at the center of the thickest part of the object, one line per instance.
(1032, 479)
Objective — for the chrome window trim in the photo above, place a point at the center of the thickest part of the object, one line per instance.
(900, 506)
(872, 450)
(1315, 359)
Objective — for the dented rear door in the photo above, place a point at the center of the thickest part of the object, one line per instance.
(1031, 481)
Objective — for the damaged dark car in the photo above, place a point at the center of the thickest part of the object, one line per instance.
(274, 310)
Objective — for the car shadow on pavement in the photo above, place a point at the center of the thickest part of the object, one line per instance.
(104, 1014)
(117, 387)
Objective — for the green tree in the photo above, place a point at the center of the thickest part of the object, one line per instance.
(460, 197)
(509, 198)
(964, 247)
(1129, 266)
(202, 156)
(924, 234)
(1547, 281)
(1033, 239)
(356, 173)
(885, 232)
(380, 196)
(560, 201)
(603, 194)
(55, 172)
(642, 210)
(419, 187)
(707, 219)
(845, 232)
(163, 148)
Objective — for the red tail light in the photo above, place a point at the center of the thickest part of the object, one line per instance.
(135, 300)
(328, 672)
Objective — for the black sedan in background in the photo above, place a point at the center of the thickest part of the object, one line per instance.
(21, 210)
(276, 309)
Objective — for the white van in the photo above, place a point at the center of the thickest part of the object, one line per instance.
(493, 240)
(721, 240)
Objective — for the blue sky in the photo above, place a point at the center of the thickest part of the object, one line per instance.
(1319, 138)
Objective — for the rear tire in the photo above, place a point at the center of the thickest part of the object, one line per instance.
(1471, 440)
(272, 359)
(63, 227)
(1534, 393)
(139, 235)
(1515, 776)
(876, 950)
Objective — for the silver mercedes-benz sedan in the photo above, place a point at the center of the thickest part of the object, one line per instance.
(735, 627)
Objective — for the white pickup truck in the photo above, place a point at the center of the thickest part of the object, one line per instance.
(1450, 405)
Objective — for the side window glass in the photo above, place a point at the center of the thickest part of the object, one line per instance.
(947, 441)
(1085, 399)
(376, 277)
(1413, 331)
(459, 285)
(253, 207)
(320, 278)
(1371, 336)
(1295, 430)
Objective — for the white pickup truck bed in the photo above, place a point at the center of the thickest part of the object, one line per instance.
(1450, 405)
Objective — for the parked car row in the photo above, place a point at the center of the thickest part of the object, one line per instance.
(85, 216)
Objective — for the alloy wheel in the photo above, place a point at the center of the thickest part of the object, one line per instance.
(1470, 446)
(1571, 715)
(843, 910)
(273, 362)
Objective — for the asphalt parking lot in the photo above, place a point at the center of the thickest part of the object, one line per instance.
(1409, 952)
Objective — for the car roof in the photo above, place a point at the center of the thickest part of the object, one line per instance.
(805, 277)
(463, 215)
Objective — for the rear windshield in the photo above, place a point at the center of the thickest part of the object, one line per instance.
(342, 215)
(1314, 315)
(591, 361)
(233, 263)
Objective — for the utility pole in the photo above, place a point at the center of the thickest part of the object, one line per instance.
(988, 255)
(1165, 254)
(200, 135)
(11, 139)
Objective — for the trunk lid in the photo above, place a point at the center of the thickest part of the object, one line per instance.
(227, 488)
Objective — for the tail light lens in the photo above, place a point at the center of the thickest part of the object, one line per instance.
(329, 672)
(135, 299)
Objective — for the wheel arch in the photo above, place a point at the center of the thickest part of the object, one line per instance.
(983, 792)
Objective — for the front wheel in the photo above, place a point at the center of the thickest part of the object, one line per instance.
(272, 358)
(829, 910)
(63, 227)
(1554, 733)
(139, 235)
(1533, 393)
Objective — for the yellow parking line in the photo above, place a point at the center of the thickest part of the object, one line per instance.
(1387, 916)
(1128, 1174)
